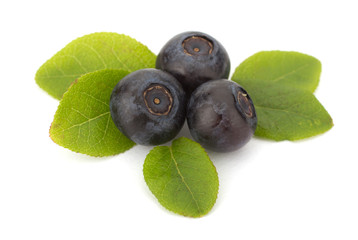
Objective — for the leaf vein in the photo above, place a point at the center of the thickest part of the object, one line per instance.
(104, 131)
(309, 117)
(183, 179)
(95, 51)
(290, 73)
(59, 68)
(97, 99)
(64, 75)
(82, 123)
(78, 61)
(118, 59)
(75, 110)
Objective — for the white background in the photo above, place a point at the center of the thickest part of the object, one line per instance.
(268, 190)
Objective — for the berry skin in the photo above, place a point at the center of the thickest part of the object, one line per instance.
(221, 116)
(148, 106)
(194, 58)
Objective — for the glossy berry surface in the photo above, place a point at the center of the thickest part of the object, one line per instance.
(148, 106)
(194, 58)
(221, 116)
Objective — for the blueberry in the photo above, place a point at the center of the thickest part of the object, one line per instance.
(148, 106)
(221, 115)
(194, 58)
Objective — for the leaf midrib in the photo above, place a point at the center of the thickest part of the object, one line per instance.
(80, 124)
(102, 60)
(283, 76)
(183, 179)
(309, 117)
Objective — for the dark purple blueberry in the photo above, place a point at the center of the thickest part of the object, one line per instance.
(194, 58)
(148, 106)
(221, 115)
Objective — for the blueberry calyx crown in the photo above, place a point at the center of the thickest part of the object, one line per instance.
(244, 102)
(158, 100)
(197, 45)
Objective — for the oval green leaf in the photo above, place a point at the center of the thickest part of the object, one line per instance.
(89, 53)
(281, 85)
(285, 113)
(290, 69)
(182, 177)
(83, 122)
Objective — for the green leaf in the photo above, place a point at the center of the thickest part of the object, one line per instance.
(182, 177)
(286, 113)
(83, 122)
(89, 53)
(291, 69)
(281, 85)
